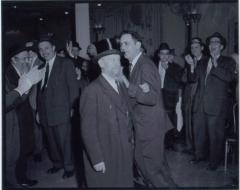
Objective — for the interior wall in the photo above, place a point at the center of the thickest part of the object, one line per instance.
(157, 23)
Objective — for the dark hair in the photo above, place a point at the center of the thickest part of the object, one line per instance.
(136, 37)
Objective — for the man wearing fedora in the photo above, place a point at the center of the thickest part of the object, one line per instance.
(196, 55)
(18, 67)
(171, 79)
(211, 99)
(105, 125)
(57, 93)
(149, 117)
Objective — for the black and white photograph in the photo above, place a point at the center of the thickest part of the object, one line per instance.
(120, 94)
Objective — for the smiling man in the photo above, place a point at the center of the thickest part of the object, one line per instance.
(57, 93)
(214, 77)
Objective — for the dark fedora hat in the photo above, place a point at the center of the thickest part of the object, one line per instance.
(196, 40)
(164, 46)
(219, 36)
(47, 38)
(76, 44)
(16, 49)
(106, 47)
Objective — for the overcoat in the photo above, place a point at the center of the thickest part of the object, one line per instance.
(106, 134)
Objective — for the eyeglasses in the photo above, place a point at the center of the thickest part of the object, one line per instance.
(214, 42)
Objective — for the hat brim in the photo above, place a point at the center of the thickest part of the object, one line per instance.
(108, 52)
(12, 54)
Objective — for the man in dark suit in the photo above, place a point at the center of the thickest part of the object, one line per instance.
(149, 117)
(57, 93)
(210, 113)
(105, 126)
(13, 99)
(171, 78)
(196, 54)
(18, 67)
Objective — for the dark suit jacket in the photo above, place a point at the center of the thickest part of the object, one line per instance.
(58, 98)
(106, 134)
(213, 95)
(172, 84)
(149, 114)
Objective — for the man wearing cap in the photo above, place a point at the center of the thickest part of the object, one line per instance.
(149, 117)
(18, 67)
(57, 93)
(213, 77)
(105, 126)
(171, 76)
(195, 56)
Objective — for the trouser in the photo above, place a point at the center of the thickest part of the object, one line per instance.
(38, 133)
(12, 148)
(26, 149)
(59, 144)
(188, 125)
(152, 163)
(209, 132)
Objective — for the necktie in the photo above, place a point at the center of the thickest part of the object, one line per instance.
(46, 77)
(118, 87)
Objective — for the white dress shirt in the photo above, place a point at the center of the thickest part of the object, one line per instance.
(162, 73)
(111, 81)
(134, 61)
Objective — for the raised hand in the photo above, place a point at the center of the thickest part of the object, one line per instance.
(69, 49)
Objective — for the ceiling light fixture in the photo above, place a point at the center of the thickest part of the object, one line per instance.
(66, 12)
(99, 4)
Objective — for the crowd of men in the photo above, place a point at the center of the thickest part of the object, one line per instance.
(128, 108)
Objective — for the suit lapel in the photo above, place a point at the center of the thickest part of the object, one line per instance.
(112, 94)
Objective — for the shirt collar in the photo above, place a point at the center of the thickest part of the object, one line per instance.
(198, 58)
(109, 79)
(51, 61)
(134, 61)
(161, 67)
